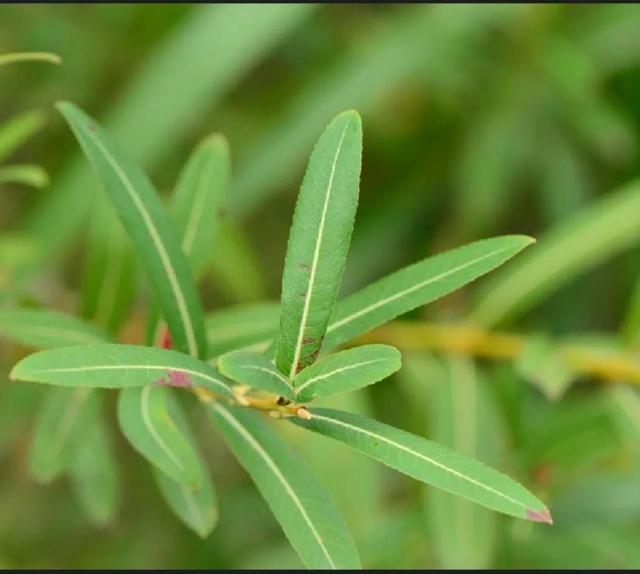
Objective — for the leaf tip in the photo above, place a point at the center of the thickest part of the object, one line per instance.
(540, 516)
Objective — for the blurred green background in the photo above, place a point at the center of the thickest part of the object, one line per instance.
(478, 121)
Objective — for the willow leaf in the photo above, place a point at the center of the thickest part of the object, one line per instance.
(199, 197)
(241, 326)
(585, 240)
(307, 515)
(346, 371)
(255, 370)
(144, 415)
(150, 229)
(429, 462)
(118, 366)
(94, 474)
(44, 329)
(64, 419)
(417, 285)
(197, 508)
(318, 242)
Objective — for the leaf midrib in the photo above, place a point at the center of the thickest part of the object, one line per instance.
(314, 263)
(374, 306)
(337, 371)
(157, 240)
(419, 455)
(255, 445)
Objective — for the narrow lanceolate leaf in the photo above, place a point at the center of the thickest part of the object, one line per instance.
(199, 197)
(583, 241)
(94, 474)
(197, 508)
(318, 242)
(119, 366)
(44, 329)
(429, 462)
(150, 229)
(255, 370)
(417, 285)
(144, 415)
(64, 419)
(307, 515)
(346, 371)
(241, 326)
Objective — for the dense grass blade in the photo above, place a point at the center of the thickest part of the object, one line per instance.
(255, 370)
(429, 462)
(417, 285)
(118, 366)
(307, 515)
(346, 371)
(150, 229)
(318, 242)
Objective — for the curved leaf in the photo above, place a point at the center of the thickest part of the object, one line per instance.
(18, 130)
(150, 229)
(145, 419)
(417, 285)
(346, 371)
(307, 515)
(429, 462)
(318, 242)
(118, 366)
(255, 370)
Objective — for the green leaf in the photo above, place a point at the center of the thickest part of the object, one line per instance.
(429, 462)
(569, 249)
(44, 329)
(197, 508)
(19, 130)
(307, 515)
(150, 229)
(118, 366)
(24, 174)
(255, 370)
(241, 326)
(319, 242)
(64, 419)
(94, 474)
(417, 285)
(199, 196)
(144, 415)
(346, 371)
